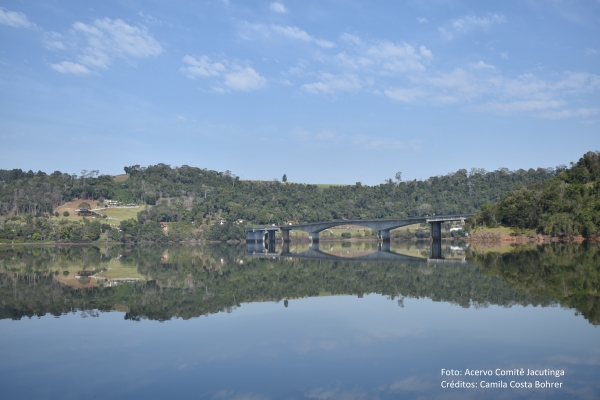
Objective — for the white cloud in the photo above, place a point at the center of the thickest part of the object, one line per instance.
(590, 52)
(108, 39)
(579, 113)
(54, 41)
(350, 38)
(67, 67)
(15, 19)
(422, 20)
(233, 76)
(202, 67)
(244, 79)
(278, 7)
(469, 23)
(297, 33)
(250, 31)
(504, 56)
(149, 19)
(218, 90)
(400, 57)
(330, 84)
(520, 106)
(481, 65)
(406, 95)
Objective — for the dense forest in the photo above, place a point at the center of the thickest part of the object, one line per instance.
(187, 193)
(566, 205)
(189, 197)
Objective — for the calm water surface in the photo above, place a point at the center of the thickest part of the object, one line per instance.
(338, 322)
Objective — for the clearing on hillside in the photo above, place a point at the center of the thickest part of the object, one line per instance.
(120, 178)
(115, 214)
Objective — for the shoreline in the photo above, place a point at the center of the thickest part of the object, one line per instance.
(529, 239)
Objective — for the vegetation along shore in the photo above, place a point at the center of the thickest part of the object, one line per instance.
(160, 203)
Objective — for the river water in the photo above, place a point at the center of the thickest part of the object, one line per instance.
(341, 321)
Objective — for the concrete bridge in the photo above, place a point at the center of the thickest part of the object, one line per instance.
(382, 226)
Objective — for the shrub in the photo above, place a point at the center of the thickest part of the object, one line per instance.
(66, 214)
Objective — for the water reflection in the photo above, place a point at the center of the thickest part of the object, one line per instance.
(189, 281)
(379, 251)
(338, 325)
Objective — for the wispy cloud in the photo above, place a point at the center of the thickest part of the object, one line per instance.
(97, 45)
(297, 33)
(201, 67)
(330, 84)
(400, 57)
(109, 39)
(469, 23)
(278, 7)
(250, 31)
(231, 76)
(422, 20)
(67, 67)
(15, 19)
(481, 65)
(350, 38)
(244, 79)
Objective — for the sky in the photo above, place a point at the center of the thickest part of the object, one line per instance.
(323, 91)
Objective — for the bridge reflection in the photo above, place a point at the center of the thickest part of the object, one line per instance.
(384, 253)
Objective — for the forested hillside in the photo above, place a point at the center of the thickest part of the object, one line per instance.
(186, 194)
(566, 205)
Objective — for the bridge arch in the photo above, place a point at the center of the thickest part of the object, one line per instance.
(383, 226)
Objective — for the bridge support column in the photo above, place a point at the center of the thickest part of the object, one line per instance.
(271, 236)
(286, 235)
(436, 249)
(257, 236)
(436, 230)
(314, 236)
(385, 246)
(384, 235)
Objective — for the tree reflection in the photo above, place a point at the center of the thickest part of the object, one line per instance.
(201, 280)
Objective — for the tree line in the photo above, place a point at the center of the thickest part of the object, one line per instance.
(566, 205)
(186, 194)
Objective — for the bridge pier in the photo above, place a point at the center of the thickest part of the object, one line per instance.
(436, 249)
(314, 236)
(285, 249)
(436, 230)
(286, 235)
(384, 235)
(271, 235)
(384, 246)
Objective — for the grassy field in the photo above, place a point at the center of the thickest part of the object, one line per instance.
(121, 214)
(71, 207)
(115, 215)
(121, 178)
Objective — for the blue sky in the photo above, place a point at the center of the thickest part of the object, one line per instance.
(323, 91)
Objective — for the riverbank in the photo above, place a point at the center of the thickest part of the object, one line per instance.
(528, 238)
